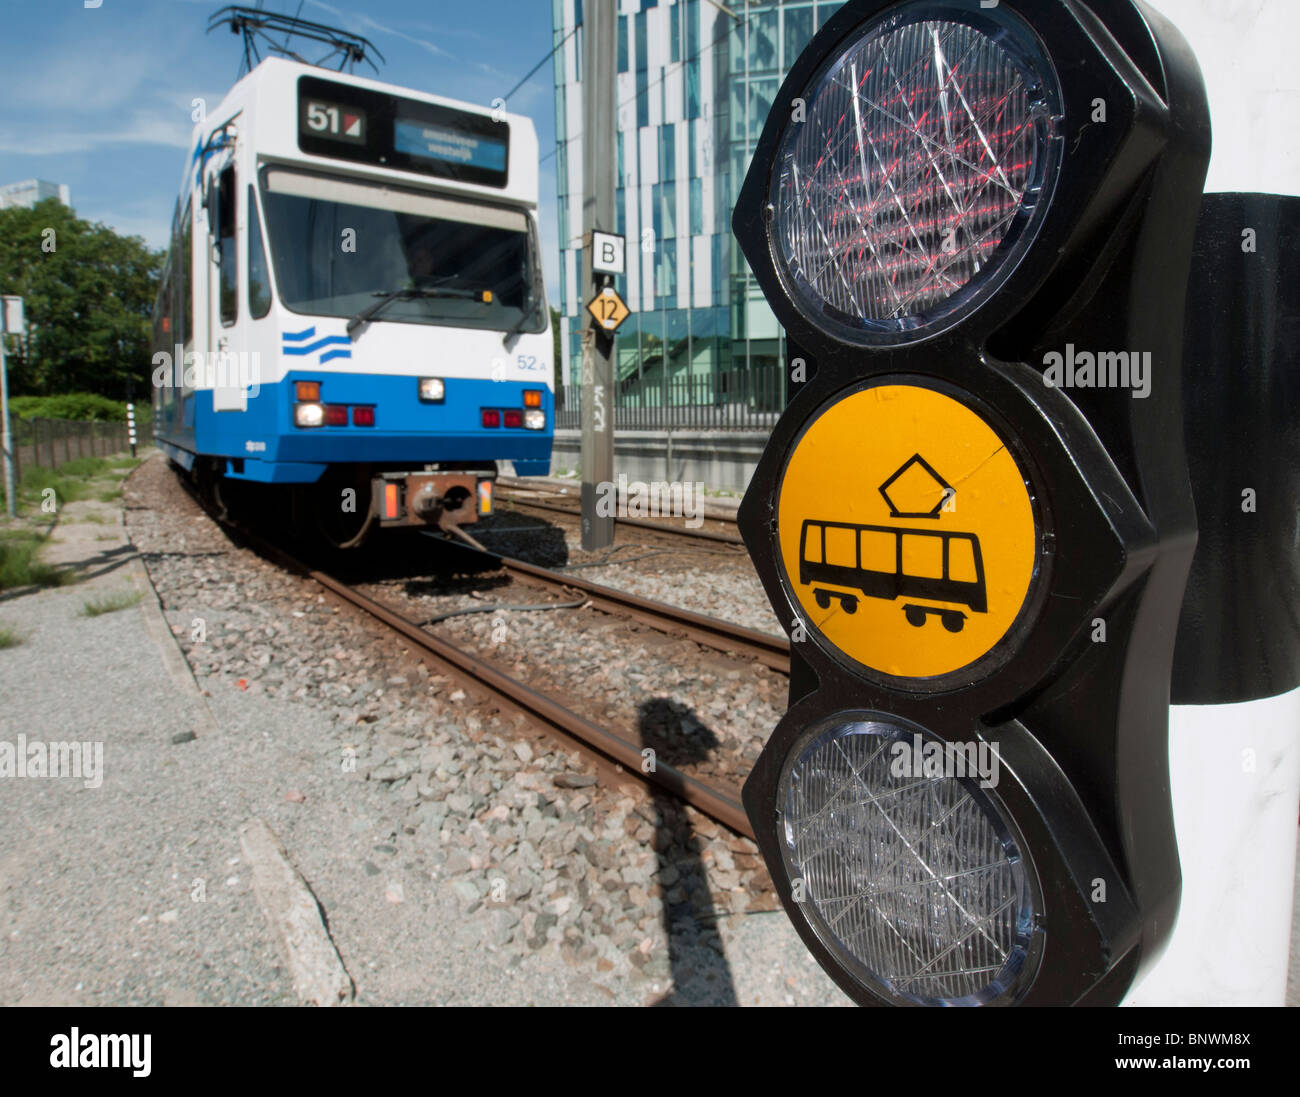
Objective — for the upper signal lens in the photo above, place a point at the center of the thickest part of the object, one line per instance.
(919, 174)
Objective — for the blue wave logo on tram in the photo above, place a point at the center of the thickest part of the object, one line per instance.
(327, 347)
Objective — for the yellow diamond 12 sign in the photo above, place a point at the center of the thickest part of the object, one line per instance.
(609, 309)
(907, 532)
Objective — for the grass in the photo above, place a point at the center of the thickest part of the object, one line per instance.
(85, 466)
(8, 638)
(80, 478)
(111, 603)
(19, 566)
(37, 480)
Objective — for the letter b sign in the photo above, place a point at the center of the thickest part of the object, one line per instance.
(607, 253)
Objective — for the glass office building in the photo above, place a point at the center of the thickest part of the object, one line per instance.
(695, 82)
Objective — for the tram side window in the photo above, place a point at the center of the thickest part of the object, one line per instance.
(187, 275)
(879, 550)
(841, 547)
(922, 556)
(259, 281)
(229, 255)
(961, 561)
(812, 544)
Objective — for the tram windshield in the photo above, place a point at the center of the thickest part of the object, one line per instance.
(338, 246)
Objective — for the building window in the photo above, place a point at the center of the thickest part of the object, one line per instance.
(761, 95)
(667, 152)
(692, 87)
(798, 32)
(697, 206)
(622, 44)
(763, 39)
(664, 202)
(666, 282)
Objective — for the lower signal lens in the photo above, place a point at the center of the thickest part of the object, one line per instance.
(914, 881)
(514, 418)
(363, 417)
(491, 417)
(336, 415)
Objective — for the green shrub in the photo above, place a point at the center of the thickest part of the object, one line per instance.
(66, 489)
(85, 466)
(8, 638)
(111, 603)
(19, 566)
(79, 406)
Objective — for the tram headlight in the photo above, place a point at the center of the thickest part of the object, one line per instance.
(920, 173)
(432, 390)
(535, 420)
(308, 415)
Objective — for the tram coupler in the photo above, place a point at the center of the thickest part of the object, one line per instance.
(442, 499)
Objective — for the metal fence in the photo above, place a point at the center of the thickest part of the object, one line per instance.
(48, 443)
(741, 399)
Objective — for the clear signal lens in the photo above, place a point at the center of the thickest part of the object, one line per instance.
(913, 880)
(432, 389)
(535, 420)
(924, 154)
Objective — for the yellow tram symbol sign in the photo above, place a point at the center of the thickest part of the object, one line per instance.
(907, 531)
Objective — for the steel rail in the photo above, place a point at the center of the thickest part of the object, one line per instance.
(642, 523)
(533, 703)
(771, 651)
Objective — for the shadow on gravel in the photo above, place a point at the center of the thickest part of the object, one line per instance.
(697, 965)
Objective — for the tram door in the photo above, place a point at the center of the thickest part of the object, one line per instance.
(225, 335)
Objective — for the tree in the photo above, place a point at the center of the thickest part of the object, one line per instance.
(88, 295)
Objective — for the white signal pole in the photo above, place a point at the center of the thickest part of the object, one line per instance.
(11, 319)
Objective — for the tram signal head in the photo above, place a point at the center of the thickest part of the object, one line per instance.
(947, 194)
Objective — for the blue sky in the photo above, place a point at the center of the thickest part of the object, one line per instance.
(100, 98)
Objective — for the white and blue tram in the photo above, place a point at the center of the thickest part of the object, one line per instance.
(353, 301)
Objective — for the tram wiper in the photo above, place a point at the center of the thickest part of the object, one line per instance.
(525, 317)
(412, 293)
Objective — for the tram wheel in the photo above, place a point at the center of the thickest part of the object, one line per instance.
(822, 598)
(340, 505)
(915, 616)
(953, 621)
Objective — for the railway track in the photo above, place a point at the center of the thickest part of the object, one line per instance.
(529, 497)
(771, 651)
(721, 803)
